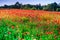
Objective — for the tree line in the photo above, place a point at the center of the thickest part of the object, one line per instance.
(50, 7)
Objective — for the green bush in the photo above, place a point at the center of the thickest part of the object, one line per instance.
(58, 9)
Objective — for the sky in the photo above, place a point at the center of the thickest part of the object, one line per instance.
(42, 2)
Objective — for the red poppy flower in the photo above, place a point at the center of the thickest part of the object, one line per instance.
(12, 27)
(49, 32)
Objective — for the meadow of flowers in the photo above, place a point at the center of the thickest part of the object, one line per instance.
(18, 24)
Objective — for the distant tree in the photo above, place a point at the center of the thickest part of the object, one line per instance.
(58, 9)
(38, 6)
(59, 5)
(27, 6)
(44, 7)
(5, 6)
(55, 6)
(33, 8)
(18, 5)
(51, 7)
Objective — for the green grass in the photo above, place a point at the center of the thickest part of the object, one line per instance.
(27, 30)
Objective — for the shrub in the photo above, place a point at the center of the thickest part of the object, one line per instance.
(58, 9)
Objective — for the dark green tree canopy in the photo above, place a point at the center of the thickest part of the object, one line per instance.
(50, 7)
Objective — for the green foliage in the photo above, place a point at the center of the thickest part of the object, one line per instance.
(33, 8)
(25, 19)
(28, 31)
(58, 9)
(51, 7)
